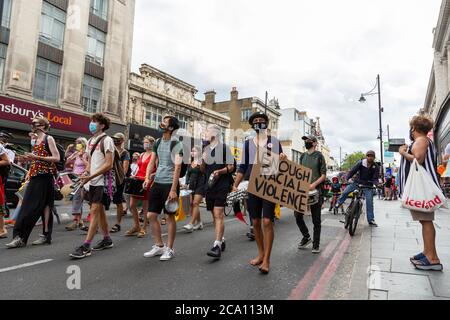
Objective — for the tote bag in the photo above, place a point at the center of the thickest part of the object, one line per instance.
(421, 193)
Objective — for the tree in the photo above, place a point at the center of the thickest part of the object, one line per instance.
(352, 159)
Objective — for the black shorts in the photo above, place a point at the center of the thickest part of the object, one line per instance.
(98, 195)
(118, 197)
(216, 199)
(200, 190)
(259, 208)
(158, 195)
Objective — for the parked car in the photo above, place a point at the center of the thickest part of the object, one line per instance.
(15, 179)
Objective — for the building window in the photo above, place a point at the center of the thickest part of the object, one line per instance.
(3, 49)
(226, 114)
(46, 81)
(96, 46)
(100, 8)
(53, 24)
(92, 94)
(6, 13)
(184, 120)
(296, 156)
(153, 117)
(246, 114)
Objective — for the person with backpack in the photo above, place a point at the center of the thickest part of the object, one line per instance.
(4, 163)
(124, 159)
(314, 160)
(368, 174)
(262, 212)
(218, 165)
(164, 192)
(39, 196)
(99, 177)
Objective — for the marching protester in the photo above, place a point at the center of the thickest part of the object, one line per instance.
(168, 154)
(258, 208)
(142, 166)
(218, 165)
(423, 150)
(80, 163)
(4, 164)
(98, 177)
(195, 180)
(39, 195)
(368, 174)
(134, 164)
(71, 152)
(314, 160)
(118, 197)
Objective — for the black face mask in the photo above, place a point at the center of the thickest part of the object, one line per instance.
(309, 145)
(259, 126)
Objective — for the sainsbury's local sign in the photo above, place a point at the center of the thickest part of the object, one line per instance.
(22, 111)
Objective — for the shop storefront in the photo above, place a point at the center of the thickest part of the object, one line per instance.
(442, 133)
(65, 127)
(136, 134)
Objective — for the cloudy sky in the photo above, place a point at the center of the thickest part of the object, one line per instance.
(317, 56)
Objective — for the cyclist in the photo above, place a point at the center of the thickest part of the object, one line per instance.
(336, 189)
(369, 173)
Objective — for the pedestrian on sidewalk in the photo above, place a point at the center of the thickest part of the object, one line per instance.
(80, 161)
(218, 166)
(99, 177)
(39, 195)
(196, 182)
(369, 175)
(168, 153)
(262, 212)
(4, 163)
(118, 197)
(315, 161)
(422, 148)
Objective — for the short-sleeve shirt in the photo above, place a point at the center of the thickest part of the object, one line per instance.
(98, 158)
(316, 162)
(166, 160)
(215, 161)
(125, 156)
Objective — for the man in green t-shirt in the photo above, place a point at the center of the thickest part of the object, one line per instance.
(314, 160)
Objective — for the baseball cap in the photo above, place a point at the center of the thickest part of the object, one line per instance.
(370, 153)
(119, 135)
(310, 137)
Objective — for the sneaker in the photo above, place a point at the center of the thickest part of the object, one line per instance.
(304, 243)
(189, 227)
(16, 243)
(316, 249)
(167, 255)
(42, 240)
(104, 244)
(81, 252)
(84, 228)
(215, 252)
(373, 224)
(155, 252)
(72, 227)
(251, 235)
(198, 226)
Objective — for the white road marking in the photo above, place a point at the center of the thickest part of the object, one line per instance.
(26, 265)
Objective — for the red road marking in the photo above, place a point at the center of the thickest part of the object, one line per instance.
(299, 291)
(318, 290)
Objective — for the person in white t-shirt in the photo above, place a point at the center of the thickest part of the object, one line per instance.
(99, 176)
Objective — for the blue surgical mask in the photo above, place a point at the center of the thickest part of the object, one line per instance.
(33, 142)
(93, 127)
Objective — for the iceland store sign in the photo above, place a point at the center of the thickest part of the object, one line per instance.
(21, 111)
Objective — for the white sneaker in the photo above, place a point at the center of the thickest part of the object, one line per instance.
(198, 226)
(168, 255)
(155, 252)
(189, 227)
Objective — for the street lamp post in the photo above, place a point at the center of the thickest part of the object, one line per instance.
(380, 111)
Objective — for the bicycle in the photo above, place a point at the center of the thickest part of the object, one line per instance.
(355, 209)
(334, 200)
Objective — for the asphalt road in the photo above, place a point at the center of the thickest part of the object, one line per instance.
(123, 272)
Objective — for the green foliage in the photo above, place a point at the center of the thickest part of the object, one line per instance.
(352, 159)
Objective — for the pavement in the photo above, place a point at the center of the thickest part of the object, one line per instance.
(373, 264)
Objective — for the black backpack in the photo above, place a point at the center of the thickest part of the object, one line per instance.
(60, 165)
(173, 143)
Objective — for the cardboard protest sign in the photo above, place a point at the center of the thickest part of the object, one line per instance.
(282, 182)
